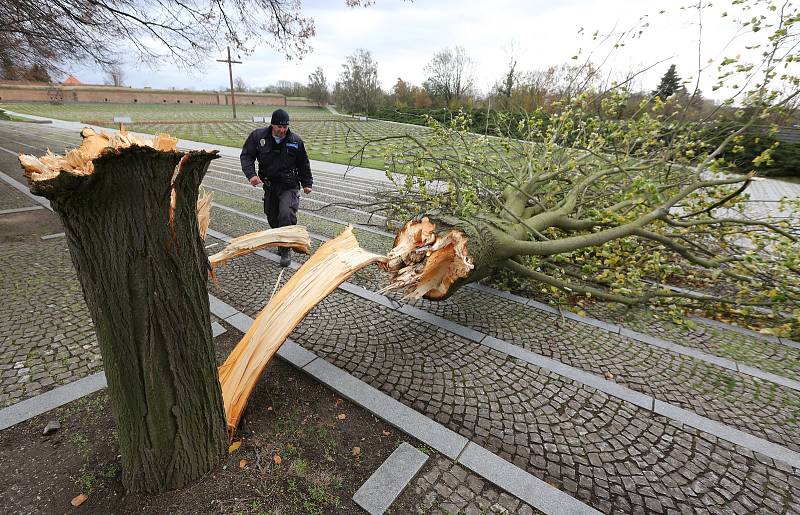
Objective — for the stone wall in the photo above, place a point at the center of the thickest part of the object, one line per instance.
(121, 95)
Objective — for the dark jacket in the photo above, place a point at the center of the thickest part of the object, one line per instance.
(285, 163)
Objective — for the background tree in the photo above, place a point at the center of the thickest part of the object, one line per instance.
(402, 94)
(449, 76)
(318, 87)
(670, 83)
(239, 84)
(115, 76)
(357, 89)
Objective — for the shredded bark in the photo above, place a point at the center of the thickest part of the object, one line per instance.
(425, 264)
(79, 161)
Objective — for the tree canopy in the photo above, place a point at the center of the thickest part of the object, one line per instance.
(51, 33)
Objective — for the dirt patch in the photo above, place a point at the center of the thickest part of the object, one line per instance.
(303, 449)
(28, 225)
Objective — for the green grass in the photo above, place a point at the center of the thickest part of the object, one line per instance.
(328, 137)
(159, 112)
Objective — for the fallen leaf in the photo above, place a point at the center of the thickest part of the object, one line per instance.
(609, 375)
(234, 447)
(269, 408)
(356, 451)
(387, 433)
(243, 463)
(78, 500)
(341, 416)
(277, 459)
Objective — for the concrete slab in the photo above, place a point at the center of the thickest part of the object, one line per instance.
(520, 483)
(221, 309)
(217, 329)
(391, 478)
(240, 321)
(295, 354)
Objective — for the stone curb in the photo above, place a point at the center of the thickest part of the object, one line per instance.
(524, 485)
(772, 450)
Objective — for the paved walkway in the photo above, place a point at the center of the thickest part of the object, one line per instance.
(619, 423)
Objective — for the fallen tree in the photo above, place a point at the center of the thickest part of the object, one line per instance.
(592, 203)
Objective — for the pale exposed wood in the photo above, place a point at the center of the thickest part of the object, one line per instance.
(422, 263)
(292, 236)
(204, 213)
(324, 271)
(78, 161)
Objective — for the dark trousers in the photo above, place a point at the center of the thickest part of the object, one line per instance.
(281, 204)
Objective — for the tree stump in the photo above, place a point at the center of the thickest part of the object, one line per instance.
(130, 220)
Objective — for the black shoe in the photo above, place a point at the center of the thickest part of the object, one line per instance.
(286, 256)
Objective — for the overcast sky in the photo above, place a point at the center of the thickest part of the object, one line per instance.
(403, 36)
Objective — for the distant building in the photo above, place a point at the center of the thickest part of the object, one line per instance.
(74, 91)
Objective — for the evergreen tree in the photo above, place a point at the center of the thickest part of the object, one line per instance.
(670, 83)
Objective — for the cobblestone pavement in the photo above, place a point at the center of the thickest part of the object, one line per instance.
(445, 487)
(760, 408)
(602, 450)
(46, 335)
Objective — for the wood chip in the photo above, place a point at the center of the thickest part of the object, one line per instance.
(78, 500)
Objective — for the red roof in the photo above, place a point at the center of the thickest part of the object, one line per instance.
(71, 81)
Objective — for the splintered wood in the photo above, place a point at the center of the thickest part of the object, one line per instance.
(78, 161)
(324, 271)
(423, 264)
(204, 213)
(292, 236)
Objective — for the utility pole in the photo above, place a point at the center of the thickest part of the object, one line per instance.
(230, 75)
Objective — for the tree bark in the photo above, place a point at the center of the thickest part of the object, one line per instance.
(143, 271)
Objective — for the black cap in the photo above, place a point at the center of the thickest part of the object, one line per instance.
(280, 117)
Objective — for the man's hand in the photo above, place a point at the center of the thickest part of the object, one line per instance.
(306, 189)
(255, 181)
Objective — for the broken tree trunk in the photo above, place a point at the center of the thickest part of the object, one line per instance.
(129, 213)
(324, 271)
(433, 264)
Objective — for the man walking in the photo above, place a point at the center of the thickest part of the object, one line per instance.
(282, 168)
